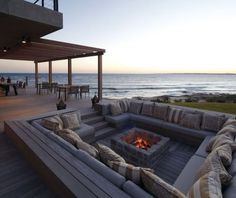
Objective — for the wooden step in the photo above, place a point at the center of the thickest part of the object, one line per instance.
(100, 125)
(93, 120)
(100, 134)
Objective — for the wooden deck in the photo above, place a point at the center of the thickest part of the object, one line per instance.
(17, 177)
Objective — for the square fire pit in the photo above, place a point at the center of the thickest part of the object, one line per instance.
(139, 146)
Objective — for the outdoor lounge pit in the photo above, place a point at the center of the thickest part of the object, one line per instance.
(124, 144)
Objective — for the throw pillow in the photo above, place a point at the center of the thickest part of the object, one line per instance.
(158, 187)
(174, 115)
(106, 154)
(147, 108)
(217, 141)
(228, 130)
(160, 111)
(115, 109)
(70, 121)
(69, 135)
(53, 123)
(88, 148)
(124, 105)
(230, 121)
(212, 122)
(225, 154)
(208, 185)
(191, 120)
(129, 171)
(135, 106)
(213, 163)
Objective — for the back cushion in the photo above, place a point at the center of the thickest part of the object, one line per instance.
(174, 115)
(191, 120)
(115, 109)
(160, 111)
(147, 108)
(212, 122)
(135, 106)
(124, 105)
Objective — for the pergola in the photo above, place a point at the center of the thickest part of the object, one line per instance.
(44, 50)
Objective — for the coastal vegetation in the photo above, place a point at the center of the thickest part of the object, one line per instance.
(212, 106)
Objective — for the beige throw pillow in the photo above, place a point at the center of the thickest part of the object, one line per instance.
(174, 115)
(115, 109)
(70, 121)
(191, 120)
(69, 135)
(213, 163)
(160, 111)
(212, 122)
(129, 171)
(208, 186)
(158, 187)
(147, 108)
(88, 148)
(106, 154)
(53, 123)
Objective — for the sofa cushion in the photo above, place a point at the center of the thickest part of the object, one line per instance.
(53, 123)
(106, 154)
(174, 115)
(115, 109)
(213, 163)
(124, 104)
(191, 120)
(160, 111)
(147, 108)
(86, 132)
(135, 106)
(69, 135)
(129, 171)
(212, 122)
(201, 151)
(229, 130)
(135, 191)
(158, 187)
(70, 121)
(217, 141)
(230, 191)
(208, 185)
(186, 178)
(87, 148)
(225, 154)
(118, 121)
(100, 168)
(230, 121)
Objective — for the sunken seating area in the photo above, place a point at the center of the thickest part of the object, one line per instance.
(83, 167)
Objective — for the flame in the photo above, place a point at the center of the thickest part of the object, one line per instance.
(141, 143)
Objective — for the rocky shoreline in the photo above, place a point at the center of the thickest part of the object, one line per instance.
(197, 97)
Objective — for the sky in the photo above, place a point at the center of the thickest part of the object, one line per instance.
(151, 36)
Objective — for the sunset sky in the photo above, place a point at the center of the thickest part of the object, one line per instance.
(152, 36)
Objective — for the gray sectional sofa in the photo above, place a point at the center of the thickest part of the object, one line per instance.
(198, 137)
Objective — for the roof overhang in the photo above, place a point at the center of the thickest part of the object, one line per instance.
(43, 50)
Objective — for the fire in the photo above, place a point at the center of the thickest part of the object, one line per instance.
(142, 143)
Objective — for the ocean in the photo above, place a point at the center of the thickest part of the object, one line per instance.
(145, 85)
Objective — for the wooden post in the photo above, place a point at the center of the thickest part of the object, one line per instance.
(69, 71)
(50, 72)
(99, 77)
(36, 74)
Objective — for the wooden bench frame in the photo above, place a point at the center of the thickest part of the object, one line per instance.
(66, 175)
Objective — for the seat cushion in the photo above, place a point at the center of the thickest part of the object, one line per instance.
(207, 186)
(230, 191)
(118, 121)
(135, 191)
(100, 168)
(186, 178)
